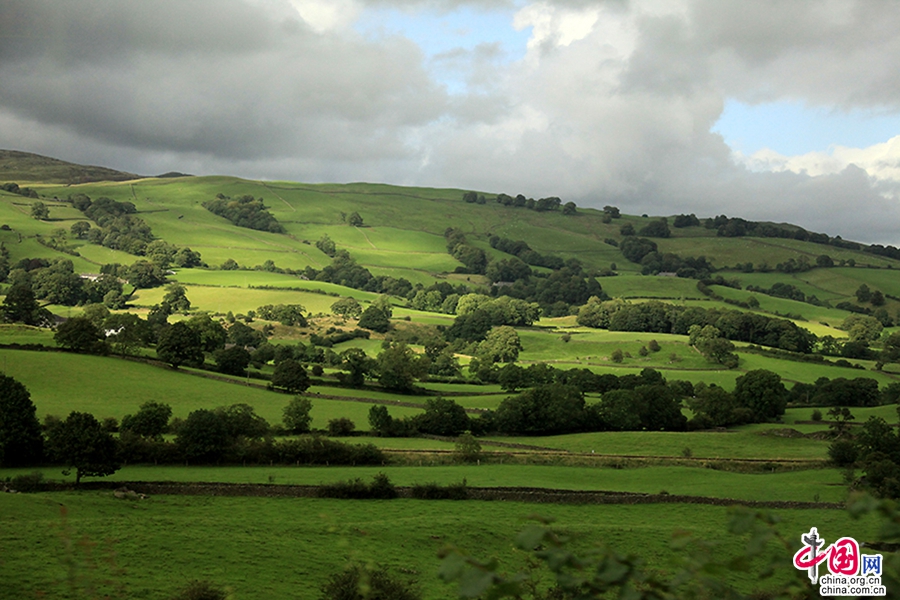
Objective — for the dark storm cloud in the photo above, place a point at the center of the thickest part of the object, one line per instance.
(223, 78)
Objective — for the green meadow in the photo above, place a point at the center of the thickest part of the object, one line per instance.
(286, 547)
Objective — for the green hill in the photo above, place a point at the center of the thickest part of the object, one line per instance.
(27, 167)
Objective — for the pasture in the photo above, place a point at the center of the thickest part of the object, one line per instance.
(287, 547)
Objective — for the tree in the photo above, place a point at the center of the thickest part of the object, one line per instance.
(502, 344)
(21, 443)
(179, 344)
(354, 220)
(127, 332)
(212, 334)
(39, 211)
(20, 306)
(374, 318)
(762, 392)
(348, 308)
(357, 364)
(80, 229)
(241, 421)
(863, 294)
(442, 417)
(232, 361)
(81, 443)
(296, 415)
(151, 421)
(81, 335)
(203, 437)
(380, 420)
(542, 410)
(709, 342)
(290, 376)
(399, 367)
(176, 298)
(144, 274)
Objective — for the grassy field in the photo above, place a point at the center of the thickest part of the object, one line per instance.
(704, 444)
(801, 486)
(113, 388)
(277, 548)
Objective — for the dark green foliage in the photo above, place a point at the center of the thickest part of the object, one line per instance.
(354, 220)
(117, 227)
(474, 259)
(347, 307)
(232, 361)
(176, 298)
(543, 410)
(81, 443)
(364, 583)
(244, 211)
(21, 443)
(212, 334)
(842, 452)
(442, 417)
(151, 421)
(326, 245)
(296, 415)
(658, 229)
(471, 327)
(144, 274)
(399, 367)
(341, 427)
(58, 283)
(290, 376)
(203, 437)
(374, 318)
(635, 249)
(245, 336)
(179, 345)
(286, 314)
(690, 220)
(20, 306)
(433, 491)
(358, 365)
(762, 392)
(241, 421)
(201, 590)
(381, 488)
(80, 335)
(523, 251)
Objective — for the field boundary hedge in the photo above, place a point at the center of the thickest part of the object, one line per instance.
(509, 494)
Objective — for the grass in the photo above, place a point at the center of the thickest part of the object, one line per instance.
(108, 387)
(162, 543)
(801, 486)
(705, 444)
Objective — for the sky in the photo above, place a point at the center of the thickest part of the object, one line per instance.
(777, 110)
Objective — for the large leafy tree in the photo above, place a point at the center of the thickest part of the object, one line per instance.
(81, 335)
(20, 433)
(296, 415)
(81, 443)
(762, 392)
(399, 367)
(179, 344)
(20, 306)
(151, 421)
(203, 437)
(290, 376)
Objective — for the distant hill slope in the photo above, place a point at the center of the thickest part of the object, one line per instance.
(26, 167)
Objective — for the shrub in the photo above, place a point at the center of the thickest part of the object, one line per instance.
(433, 491)
(340, 427)
(381, 488)
(817, 415)
(361, 583)
(201, 590)
(843, 452)
(32, 482)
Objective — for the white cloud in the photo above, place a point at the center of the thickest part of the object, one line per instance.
(879, 161)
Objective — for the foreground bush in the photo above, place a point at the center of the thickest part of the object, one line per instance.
(360, 583)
